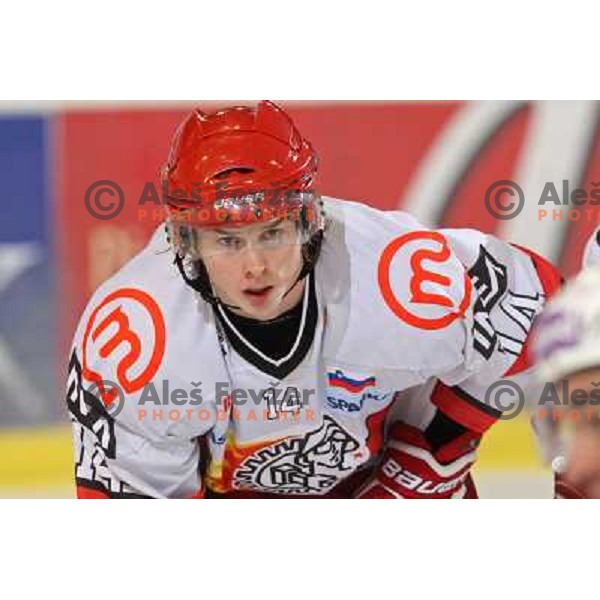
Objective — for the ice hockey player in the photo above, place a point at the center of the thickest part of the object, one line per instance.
(269, 341)
(565, 395)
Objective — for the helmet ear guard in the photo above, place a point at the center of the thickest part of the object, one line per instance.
(310, 253)
(198, 280)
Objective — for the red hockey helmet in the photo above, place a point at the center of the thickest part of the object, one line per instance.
(237, 160)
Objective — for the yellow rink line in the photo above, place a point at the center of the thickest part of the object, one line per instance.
(43, 456)
(36, 457)
(510, 445)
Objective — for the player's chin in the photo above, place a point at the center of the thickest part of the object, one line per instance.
(263, 312)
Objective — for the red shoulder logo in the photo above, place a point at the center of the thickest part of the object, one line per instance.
(108, 331)
(405, 298)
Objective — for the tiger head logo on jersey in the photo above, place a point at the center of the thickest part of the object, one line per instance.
(314, 463)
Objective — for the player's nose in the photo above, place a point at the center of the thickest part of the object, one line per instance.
(254, 264)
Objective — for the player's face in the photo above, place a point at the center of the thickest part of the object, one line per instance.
(583, 453)
(253, 267)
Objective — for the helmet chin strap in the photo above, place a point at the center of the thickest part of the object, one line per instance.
(201, 284)
(308, 262)
(230, 306)
(296, 282)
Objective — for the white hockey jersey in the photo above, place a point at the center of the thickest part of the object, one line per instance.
(409, 321)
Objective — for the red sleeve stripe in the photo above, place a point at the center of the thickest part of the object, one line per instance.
(464, 409)
(549, 275)
(466, 442)
(87, 493)
(93, 490)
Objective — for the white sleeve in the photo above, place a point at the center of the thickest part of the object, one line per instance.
(510, 286)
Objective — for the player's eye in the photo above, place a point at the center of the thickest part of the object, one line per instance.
(230, 242)
(273, 236)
